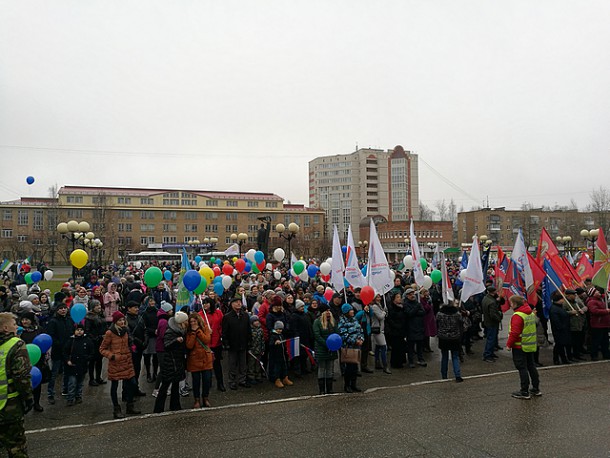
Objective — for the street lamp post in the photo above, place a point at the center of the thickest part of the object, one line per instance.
(75, 232)
(194, 245)
(240, 239)
(293, 229)
(590, 236)
(363, 244)
(566, 241)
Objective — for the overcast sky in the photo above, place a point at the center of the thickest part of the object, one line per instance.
(506, 99)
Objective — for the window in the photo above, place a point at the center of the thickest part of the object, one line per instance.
(128, 241)
(307, 220)
(169, 215)
(231, 203)
(124, 227)
(146, 214)
(211, 228)
(211, 215)
(147, 227)
(73, 213)
(169, 239)
(7, 233)
(38, 220)
(125, 214)
(169, 228)
(190, 215)
(22, 238)
(271, 204)
(231, 228)
(22, 218)
(171, 202)
(74, 199)
(8, 215)
(211, 203)
(191, 202)
(121, 240)
(143, 240)
(190, 228)
(252, 203)
(124, 200)
(171, 194)
(147, 201)
(231, 216)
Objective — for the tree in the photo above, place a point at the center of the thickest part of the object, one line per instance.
(442, 210)
(573, 205)
(600, 204)
(425, 212)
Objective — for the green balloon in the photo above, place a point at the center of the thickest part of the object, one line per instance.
(212, 260)
(255, 269)
(153, 276)
(28, 278)
(423, 263)
(34, 353)
(202, 286)
(298, 267)
(436, 276)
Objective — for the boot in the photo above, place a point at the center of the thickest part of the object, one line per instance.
(197, 404)
(347, 387)
(353, 386)
(278, 383)
(329, 386)
(221, 387)
(387, 370)
(287, 381)
(378, 365)
(322, 385)
(117, 412)
(206, 403)
(131, 409)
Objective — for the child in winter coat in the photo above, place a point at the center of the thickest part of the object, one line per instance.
(256, 348)
(77, 353)
(278, 371)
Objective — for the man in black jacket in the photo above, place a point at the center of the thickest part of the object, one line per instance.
(492, 317)
(60, 329)
(235, 337)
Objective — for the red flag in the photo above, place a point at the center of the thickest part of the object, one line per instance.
(601, 266)
(537, 272)
(546, 247)
(575, 279)
(584, 269)
(506, 291)
(500, 269)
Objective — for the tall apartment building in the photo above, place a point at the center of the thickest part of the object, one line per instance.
(137, 219)
(365, 183)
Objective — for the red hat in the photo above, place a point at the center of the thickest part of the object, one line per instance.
(276, 301)
(66, 285)
(116, 316)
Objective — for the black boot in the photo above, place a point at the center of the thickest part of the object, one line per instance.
(321, 385)
(355, 389)
(221, 387)
(347, 387)
(329, 386)
(117, 412)
(131, 409)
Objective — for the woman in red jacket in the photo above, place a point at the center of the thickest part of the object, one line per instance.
(200, 358)
(600, 323)
(213, 318)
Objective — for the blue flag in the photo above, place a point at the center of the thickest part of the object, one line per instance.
(463, 266)
(551, 283)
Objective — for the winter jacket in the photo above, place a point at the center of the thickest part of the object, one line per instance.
(78, 351)
(276, 351)
(199, 358)
(215, 320)
(560, 324)
(492, 312)
(449, 328)
(350, 331)
(236, 330)
(95, 327)
(320, 336)
(415, 321)
(149, 316)
(300, 326)
(173, 359)
(429, 318)
(516, 326)
(598, 313)
(396, 322)
(116, 348)
(137, 331)
(162, 318)
(60, 328)
(257, 341)
(284, 317)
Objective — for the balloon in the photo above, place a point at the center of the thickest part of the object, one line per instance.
(334, 342)
(234, 258)
(277, 275)
(28, 278)
(167, 275)
(201, 264)
(30, 180)
(436, 276)
(312, 270)
(219, 289)
(202, 286)
(279, 254)
(303, 275)
(364, 269)
(392, 275)
(248, 267)
(227, 269)
(298, 267)
(138, 265)
(36, 276)
(293, 273)
(240, 264)
(367, 294)
(325, 268)
(217, 280)
(34, 353)
(192, 279)
(255, 269)
(36, 376)
(328, 294)
(344, 249)
(44, 342)
(261, 265)
(48, 275)
(463, 275)
(226, 281)
(269, 266)
(423, 263)
(212, 260)
(250, 255)
(216, 271)
(207, 273)
(427, 283)
(153, 276)
(408, 261)
(78, 312)
(197, 259)
(259, 256)
(325, 277)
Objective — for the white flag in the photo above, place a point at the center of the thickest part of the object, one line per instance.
(418, 274)
(378, 271)
(337, 266)
(293, 259)
(473, 279)
(353, 275)
(436, 257)
(448, 296)
(519, 257)
(233, 250)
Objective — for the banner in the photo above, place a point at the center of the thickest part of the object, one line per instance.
(378, 271)
(337, 266)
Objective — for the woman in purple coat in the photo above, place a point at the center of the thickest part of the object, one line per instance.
(429, 319)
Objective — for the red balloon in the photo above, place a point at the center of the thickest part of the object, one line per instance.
(262, 265)
(325, 277)
(328, 294)
(240, 265)
(216, 270)
(227, 269)
(367, 294)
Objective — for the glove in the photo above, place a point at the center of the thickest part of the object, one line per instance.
(28, 405)
(113, 357)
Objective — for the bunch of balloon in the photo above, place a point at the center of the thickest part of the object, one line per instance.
(40, 345)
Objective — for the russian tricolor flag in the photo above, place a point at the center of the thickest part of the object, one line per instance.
(293, 347)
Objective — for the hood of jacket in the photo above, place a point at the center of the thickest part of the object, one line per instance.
(171, 324)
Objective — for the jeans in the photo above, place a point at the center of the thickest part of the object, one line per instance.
(381, 354)
(524, 363)
(129, 386)
(56, 365)
(95, 366)
(218, 365)
(75, 387)
(455, 360)
(415, 347)
(491, 342)
(202, 381)
(237, 366)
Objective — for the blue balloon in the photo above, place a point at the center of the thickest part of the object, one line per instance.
(36, 276)
(248, 267)
(344, 249)
(259, 257)
(29, 180)
(334, 342)
(44, 342)
(167, 275)
(364, 269)
(19, 330)
(191, 280)
(219, 289)
(36, 376)
(312, 270)
(197, 259)
(217, 279)
(78, 312)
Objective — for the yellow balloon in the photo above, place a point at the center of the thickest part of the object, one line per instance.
(79, 258)
(234, 258)
(207, 273)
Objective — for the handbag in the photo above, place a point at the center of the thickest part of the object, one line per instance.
(375, 329)
(350, 355)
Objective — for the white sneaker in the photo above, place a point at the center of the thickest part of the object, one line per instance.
(155, 393)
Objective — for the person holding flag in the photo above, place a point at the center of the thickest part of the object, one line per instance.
(600, 323)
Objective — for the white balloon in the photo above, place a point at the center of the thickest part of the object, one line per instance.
(329, 261)
(427, 282)
(392, 274)
(269, 266)
(48, 275)
(408, 261)
(460, 259)
(250, 255)
(201, 264)
(293, 274)
(277, 275)
(138, 264)
(279, 254)
(325, 268)
(463, 275)
(226, 281)
(304, 275)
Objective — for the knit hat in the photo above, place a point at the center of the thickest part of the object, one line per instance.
(591, 291)
(93, 303)
(180, 317)
(322, 308)
(166, 306)
(299, 304)
(253, 318)
(29, 316)
(276, 301)
(345, 309)
(281, 295)
(320, 288)
(579, 290)
(31, 297)
(58, 297)
(79, 326)
(116, 316)
(278, 325)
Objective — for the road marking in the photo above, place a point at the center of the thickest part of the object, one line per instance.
(293, 399)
